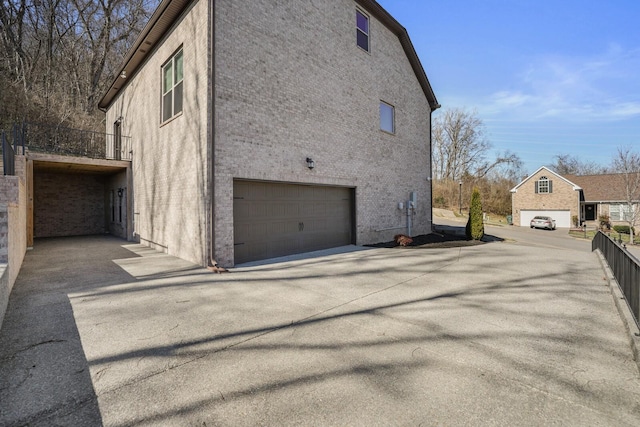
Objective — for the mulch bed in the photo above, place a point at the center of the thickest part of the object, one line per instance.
(433, 240)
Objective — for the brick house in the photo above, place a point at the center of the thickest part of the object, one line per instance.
(544, 192)
(584, 197)
(261, 129)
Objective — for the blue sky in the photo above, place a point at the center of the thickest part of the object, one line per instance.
(546, 77)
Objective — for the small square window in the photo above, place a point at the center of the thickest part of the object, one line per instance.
(362, 30)
(387, 117)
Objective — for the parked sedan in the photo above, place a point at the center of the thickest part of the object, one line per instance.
(543, 222)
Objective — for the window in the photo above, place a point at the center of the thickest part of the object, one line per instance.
(172, 87)
(620, 212)
(544, 185)
(362, 31)
(387, 117)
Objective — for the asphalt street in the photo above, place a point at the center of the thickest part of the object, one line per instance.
(558, 238)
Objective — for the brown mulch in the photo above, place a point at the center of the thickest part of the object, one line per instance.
(433, 240)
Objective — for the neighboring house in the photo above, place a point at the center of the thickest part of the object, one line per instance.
(546, 193)
(604, 195)
(584, 197)
(261, 129)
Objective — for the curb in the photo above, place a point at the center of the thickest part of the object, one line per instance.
(623, 309)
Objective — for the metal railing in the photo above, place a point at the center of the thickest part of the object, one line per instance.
(9, 152)
(8, 156)
(62, 140)
(625, 269)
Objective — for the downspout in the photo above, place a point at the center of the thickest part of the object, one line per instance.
(430, 177)
(211, 241)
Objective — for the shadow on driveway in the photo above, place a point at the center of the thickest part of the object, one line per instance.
(44, 375)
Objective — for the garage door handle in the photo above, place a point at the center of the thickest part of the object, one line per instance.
(301, 226)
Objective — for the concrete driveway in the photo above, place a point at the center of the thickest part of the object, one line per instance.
(101, 332)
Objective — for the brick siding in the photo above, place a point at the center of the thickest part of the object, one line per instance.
(562, 197)
(290, 83)
(13, 235)
(68, 204)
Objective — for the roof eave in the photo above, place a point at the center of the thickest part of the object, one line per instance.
(390, 22)
(160, 22)
(169, 10)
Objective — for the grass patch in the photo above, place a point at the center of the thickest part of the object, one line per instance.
(613, 234)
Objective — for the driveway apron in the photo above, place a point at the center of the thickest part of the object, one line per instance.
(103, 332)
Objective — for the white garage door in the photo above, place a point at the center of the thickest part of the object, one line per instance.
(563, 218)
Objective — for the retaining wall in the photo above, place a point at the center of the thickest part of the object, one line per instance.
(13, 234)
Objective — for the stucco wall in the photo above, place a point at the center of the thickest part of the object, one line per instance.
(291, 83)
(562, 197)
(169, 173)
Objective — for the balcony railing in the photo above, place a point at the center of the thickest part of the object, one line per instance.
(66, 141)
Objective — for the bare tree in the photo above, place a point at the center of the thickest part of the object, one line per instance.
(566, 164)
(57, 56)
(627, 163)
(460, 147)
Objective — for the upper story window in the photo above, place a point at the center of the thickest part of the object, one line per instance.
(544, 185)
(387, 117)
(362, 30)
(172, 82)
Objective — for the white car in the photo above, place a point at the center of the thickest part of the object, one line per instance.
(543, 222)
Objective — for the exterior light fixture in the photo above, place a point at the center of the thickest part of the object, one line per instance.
(123, 74)
(310, 163)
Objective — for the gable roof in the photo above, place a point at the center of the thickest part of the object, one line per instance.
(168, 11)
(601, 188)
(595, 188)
(575, 187)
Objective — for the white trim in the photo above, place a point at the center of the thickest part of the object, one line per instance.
(515, 189)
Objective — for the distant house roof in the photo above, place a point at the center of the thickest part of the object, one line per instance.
(573, 184)
(168, 12)
(595, 188)
(601, 188)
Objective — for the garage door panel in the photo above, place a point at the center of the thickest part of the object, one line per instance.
(562, 217)
(272, 219)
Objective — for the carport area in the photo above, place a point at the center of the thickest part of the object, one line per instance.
(74, 196)
(104, 332)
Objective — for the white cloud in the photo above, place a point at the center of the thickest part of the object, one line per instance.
(601, 87)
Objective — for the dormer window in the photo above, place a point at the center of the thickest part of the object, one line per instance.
(362, 30)
(544, 185)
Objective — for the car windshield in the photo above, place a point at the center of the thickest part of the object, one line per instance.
(543, 218)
